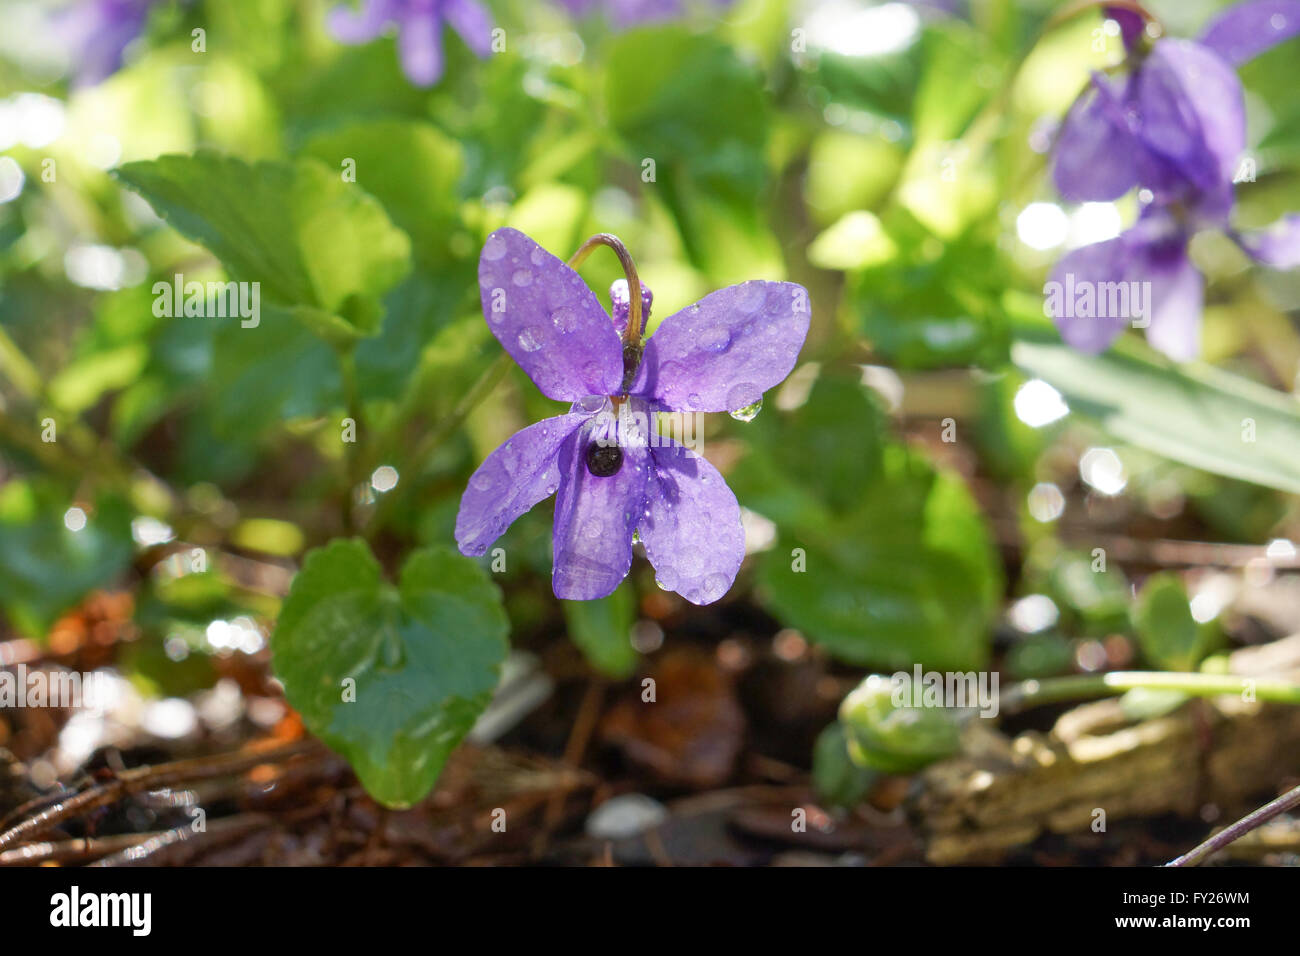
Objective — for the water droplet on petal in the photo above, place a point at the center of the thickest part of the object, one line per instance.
(530, 340)
(694, 399)
(538, 256)
(752, 296)
(715, 585)
(481, 481)
(565, 319)
(747, 413)
(666, 579)
(494, 248)
(715, 339)
(522, 278)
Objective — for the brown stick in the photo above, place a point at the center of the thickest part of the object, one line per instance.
(151, 778)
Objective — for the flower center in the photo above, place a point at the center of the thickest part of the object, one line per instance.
(604, 460)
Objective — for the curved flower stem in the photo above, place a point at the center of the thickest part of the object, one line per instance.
(632, 334)
(1032, 693)
(1288, 801)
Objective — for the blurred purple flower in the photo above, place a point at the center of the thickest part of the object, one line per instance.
(1175, 127)
(96, 33)
(613, 474)
(419, 30)
(629, 13)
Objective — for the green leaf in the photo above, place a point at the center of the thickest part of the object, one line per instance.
(422, 658)
(836, 778)
(602, 630)
(411, 167)
(1166, 631)
(45, 566)
(316, 244)
(880, 557)
(1193, 413)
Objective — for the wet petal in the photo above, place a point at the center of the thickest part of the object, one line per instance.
(347, 24)
(519, 474)
(1191, 112)
(691, 529)
(1276, 246)
(620, 300)
(1094, 160)
(627, 13)
(544, 315)
(1246, 30)
(419, 45)
(594, 521)
(1081, 273)
(472, 22)
(725, 351)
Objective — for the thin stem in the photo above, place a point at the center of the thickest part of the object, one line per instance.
(632, 334)
(1288, 801)
(1033, 693)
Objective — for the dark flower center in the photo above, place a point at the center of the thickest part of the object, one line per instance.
(604, 460)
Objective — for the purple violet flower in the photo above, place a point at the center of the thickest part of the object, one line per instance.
(419, 30)
(614, 476)
(629, 13)
(1175, 127)
(96, 34)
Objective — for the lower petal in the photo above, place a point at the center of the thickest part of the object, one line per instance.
(1072, 299)
(1094, 160)
(519, 474)
(594, 521)
(1177, 301)
(420, 45)
(691, 528)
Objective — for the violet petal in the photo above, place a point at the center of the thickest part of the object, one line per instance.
(691, 530)
(544, 315)
(725, 351)
(419, 44)
(348, 24)
(1191, 112)
(469, 19)
(1101, 262)
(519, 474)
(1177, 300)
(1276, 246)
(1094, 159)
(594, 520)
(1244, 31)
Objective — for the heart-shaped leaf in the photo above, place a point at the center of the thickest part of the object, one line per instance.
(390, 677)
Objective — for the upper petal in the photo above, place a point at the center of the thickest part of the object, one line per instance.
(725, 351)
(1246, 30)
(1277, 246)
(1095, 160)
(544, 315)
(472, 22)
(594, 521)
(519, 474)
(691, 528)
(1191, 112)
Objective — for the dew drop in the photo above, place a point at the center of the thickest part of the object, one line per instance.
(666, 579)
(752, 296)
(694, 399)
(530, 340)
(481, 481)
(494, 248)
(715, 339)
(715, 585)
(522, 278)
(538, 256)
(565, 319)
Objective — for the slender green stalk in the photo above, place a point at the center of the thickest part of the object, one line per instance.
(1033, 693)
(632, 334)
